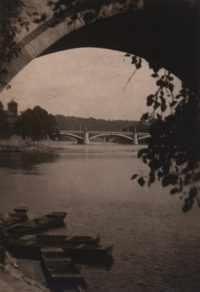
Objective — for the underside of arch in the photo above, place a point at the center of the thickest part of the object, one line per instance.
(157, 34)
(78, 138)
(111, 135)
(143, 137)
(162, 32)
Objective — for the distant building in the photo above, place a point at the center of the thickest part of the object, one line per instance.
(11, 114)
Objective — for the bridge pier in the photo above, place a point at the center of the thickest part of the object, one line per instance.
(135, 137)
(86, 140)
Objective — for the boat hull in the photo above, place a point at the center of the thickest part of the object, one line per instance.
(60, 272)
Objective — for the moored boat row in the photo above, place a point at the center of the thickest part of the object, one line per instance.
(59, 253)
(81, 251)
(52, 220)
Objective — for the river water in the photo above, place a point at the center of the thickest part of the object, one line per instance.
(156, 246)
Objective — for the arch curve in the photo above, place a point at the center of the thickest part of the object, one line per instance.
(147, 28)
(144, 137)
(111, 135)
(71, 135)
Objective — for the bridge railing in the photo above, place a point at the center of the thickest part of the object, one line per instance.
(102, 132)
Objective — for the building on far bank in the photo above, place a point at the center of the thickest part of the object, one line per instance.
(12, 113)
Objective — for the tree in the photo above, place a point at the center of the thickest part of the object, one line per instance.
(35, 123)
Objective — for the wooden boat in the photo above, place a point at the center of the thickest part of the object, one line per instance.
(36, 225)
(81, 239)
(13, 218)
(63, 240)
(90, 254)
(21, 209)
(60, 270)
(28, 246)
(60, 215)
(24, 247)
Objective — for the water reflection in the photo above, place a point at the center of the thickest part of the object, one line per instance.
(26, 161)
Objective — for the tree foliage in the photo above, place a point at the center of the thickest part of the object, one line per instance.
(173, 150)
(35, 123)
(10, 23)
(14, 17)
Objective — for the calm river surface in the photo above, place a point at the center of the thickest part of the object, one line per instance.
(156, 246)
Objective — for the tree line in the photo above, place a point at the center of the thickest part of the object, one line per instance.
(92, 124)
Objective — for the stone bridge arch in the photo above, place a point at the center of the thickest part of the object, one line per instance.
(143, 137)
(71, 135)
(165, 32)
(112, 135)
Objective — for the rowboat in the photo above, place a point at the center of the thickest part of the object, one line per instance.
(37, 225)
(60, 270)
(24, 247)
(61, 240)
(29, 245)
(89, 254)
(21, 209)
(60, 215)
(13, 217)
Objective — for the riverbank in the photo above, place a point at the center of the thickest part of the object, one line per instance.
(17, 144)
(13, 279)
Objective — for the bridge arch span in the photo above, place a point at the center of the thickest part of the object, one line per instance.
(147, 28)
(71, 135)
(111, 135)
(143, 137)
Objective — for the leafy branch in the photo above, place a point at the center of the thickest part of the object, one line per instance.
(172, 154)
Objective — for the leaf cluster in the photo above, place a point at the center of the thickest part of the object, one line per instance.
(89, 10)
(14, 17)
(172, 152)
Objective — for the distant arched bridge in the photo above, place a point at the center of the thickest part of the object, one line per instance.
(85, 137)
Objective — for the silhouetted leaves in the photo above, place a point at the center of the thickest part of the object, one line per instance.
(134, 176)
(173, 152)
(141, 181)
(145, 116)
(42, 18)
(193, 193)
(50, 3)
(174, 191)
(187, 205)
(150, 99)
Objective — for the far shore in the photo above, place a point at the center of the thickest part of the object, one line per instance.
(17, 144)
(29, 148)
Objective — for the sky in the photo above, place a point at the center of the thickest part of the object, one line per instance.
(84, 82)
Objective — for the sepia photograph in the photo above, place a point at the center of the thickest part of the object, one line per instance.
(99, 146)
